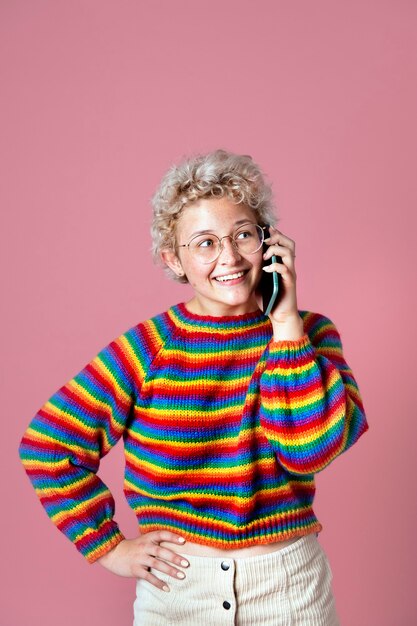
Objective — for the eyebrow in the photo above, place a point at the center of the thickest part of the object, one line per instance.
(207, 232)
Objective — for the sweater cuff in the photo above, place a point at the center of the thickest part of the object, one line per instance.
(291, 348)
(97, 543)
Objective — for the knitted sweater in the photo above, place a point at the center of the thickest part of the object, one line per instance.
(223, 428)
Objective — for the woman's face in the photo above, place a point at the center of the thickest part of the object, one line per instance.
(212, 296)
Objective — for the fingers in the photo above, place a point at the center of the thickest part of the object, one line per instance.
(282, 269)
(160, 558)
(168, 555)
(161, 551)
(154, 567)
(280, 242)
(281, 251)
(142, 556)
(286, 255)
(166, 535)
(156, 582)
(276, 236)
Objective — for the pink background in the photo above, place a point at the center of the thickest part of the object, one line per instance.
(98, 98)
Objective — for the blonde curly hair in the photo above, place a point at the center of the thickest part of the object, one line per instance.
(214, 175)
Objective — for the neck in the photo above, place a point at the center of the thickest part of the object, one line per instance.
(220, 309)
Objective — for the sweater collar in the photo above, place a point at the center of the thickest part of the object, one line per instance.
(193, 321)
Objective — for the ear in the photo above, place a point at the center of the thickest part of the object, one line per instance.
(170, 258)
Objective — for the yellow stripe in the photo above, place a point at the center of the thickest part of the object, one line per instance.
(163, 382)
(289, 370)
(333, 350)
(283, 402)
(65, 489)
(57, 465)
(117, 390)
(34, 435)
(78, 509)
(91, 531)
(232, 441)
(298, 441)
(136, 363)
(282, 491)
(180, 413)
(99, 408)
(201, 472)
(323, 328)
(197, 360)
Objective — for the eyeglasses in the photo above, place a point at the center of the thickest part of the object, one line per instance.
(247, 239)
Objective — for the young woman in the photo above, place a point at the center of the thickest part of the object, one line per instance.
(226, 415)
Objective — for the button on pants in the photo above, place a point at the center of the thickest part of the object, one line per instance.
(287, 587)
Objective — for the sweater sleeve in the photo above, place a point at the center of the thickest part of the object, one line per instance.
(311, 410)
(62, 447)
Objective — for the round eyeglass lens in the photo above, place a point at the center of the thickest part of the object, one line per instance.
(247, 239)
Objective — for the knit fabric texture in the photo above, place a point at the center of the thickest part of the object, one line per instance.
(223, 428)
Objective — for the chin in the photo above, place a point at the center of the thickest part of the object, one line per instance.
(240, 301)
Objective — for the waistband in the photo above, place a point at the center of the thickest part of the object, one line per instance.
(307, 542)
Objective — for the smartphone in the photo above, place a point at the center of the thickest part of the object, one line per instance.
(271, 283)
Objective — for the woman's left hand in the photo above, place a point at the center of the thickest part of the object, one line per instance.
(285, 312)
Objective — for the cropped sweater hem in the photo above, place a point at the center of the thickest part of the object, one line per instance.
(262, 534)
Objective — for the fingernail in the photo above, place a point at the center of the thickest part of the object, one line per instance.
(180, 575)
(181, 539)
(184, 563)
(165, 588)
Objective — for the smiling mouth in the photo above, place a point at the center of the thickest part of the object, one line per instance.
(224, 279)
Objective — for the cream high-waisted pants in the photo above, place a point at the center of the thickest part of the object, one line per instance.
(287, 587)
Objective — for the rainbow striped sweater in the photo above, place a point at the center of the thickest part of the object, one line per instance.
(223, 428)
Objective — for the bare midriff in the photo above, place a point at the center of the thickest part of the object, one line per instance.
(197, 549)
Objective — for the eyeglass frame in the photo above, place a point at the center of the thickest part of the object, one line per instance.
(231, 237)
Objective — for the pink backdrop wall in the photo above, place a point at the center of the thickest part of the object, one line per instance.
(98, 98)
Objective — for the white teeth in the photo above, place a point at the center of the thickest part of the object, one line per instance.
(229, 277)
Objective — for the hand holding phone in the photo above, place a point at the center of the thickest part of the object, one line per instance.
(271, 282)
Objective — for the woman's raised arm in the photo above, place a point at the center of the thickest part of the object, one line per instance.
(311, 409)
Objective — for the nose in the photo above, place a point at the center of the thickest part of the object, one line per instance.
(228, 251)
